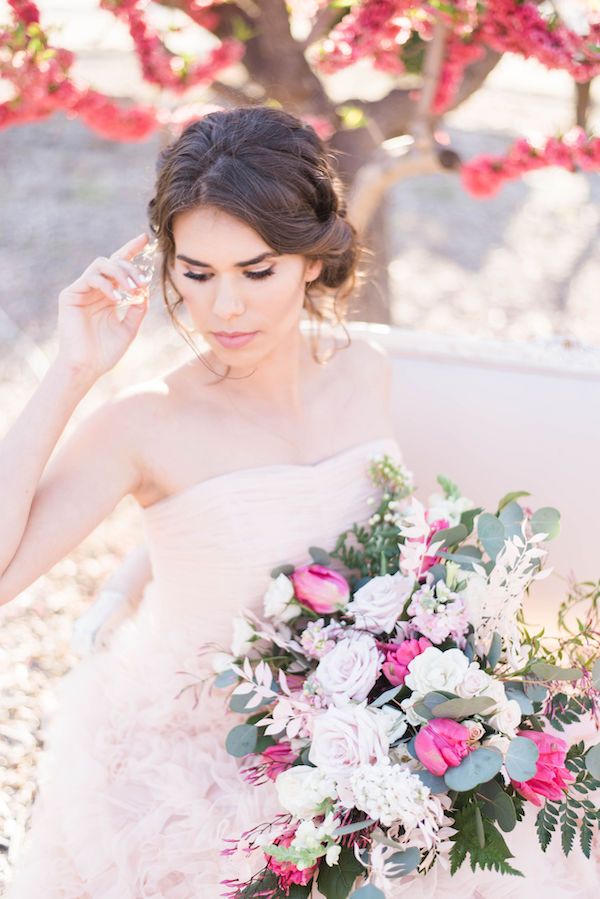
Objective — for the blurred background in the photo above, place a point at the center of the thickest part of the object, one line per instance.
(522, 266)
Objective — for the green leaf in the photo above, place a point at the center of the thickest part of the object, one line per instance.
(424, 707)
(546, 671)
(336, 881)
(404, 862)
(352, 828)
(468, 519)
(450, 536)
(282, 569)
(241, 740)
(510, 497)
(479, 831)
(592, 761)
(368, 892)
(546, 520)
(319, 556)
(463, 708)
(225, 678)
(500, 808)
(596, 674)
(451, 490)
(521, 758)
(477, 767)
(435, 784)
(493, 654)
(385, 697)
(515, 690)
(490, 531)
(511, 517)
(492, 855)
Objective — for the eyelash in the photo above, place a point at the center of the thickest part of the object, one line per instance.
(254, 275)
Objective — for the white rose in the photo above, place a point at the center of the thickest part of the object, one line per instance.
(434, 669)
(242, 634)
(302, 789)
(496, 741)
(407, 705)
(350, 669)
(396, 722)
(345, 738)
(475, 597)
(507, 718)
(378, 603)
(474, 683)
(277, 599)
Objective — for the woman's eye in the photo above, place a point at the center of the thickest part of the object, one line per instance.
(264, 273)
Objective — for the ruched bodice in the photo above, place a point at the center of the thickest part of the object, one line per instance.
(213, 544)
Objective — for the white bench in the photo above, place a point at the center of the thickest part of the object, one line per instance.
(498, 416)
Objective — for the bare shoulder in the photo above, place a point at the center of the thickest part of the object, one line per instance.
(369, 358)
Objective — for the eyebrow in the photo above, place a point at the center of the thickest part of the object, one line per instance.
(238, 264)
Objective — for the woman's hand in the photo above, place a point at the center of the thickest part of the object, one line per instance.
(91, 337)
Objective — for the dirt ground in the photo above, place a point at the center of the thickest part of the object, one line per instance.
(523, 265)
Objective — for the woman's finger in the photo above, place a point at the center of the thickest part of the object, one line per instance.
(132, 247)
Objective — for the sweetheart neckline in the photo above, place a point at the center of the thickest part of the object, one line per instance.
(276, 466)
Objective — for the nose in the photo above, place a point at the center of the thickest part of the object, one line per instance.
(227, 304)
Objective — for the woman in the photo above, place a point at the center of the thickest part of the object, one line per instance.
(238, 465)
(240, 459)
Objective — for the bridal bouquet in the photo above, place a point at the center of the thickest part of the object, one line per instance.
(400, 705)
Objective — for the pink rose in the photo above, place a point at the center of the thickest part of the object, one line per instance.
(320, 588)
(441, 744)
(398, 656)
(287, 872)
(551, 777)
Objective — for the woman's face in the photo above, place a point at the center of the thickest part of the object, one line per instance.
(231, 280)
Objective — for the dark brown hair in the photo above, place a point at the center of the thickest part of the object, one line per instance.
(272, 171)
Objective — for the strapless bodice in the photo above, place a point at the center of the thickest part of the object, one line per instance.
(213, 545)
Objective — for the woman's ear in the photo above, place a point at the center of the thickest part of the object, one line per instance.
(313, 270)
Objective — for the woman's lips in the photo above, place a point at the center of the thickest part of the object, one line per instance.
(234, 340)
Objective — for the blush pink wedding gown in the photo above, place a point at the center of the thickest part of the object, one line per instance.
(137, 792)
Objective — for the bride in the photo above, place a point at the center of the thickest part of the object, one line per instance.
(239, 459)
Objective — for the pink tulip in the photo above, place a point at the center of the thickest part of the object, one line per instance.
(441, 744)
(399, 655)
(551, 777)
(320, 589)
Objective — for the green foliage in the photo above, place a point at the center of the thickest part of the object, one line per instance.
(337, 881)
(574, 811)
(480, 839)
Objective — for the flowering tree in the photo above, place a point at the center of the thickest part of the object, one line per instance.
(451, 44)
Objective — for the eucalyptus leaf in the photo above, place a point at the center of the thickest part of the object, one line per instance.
(546, 671)
(546, 520)
(493, 654)
(225, 678)
(319, 555)
(596, 674)
(410, 748)
(385, 697)
(521, 758)
(463, 708)
(468, 518)
(465, 560)
(592, 761)
(404, 862)
(450, 536)
(497, 805)
(241, 740)
(435, 784)
(437, 572)
(509, 497)
(536, 692)
(282, 569)
(516, 691)
(511, 517)
(352, 828)
(490, 531)
(369, 891)
(477, 767)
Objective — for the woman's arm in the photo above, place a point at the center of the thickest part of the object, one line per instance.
(48, 507)
(117, 599)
